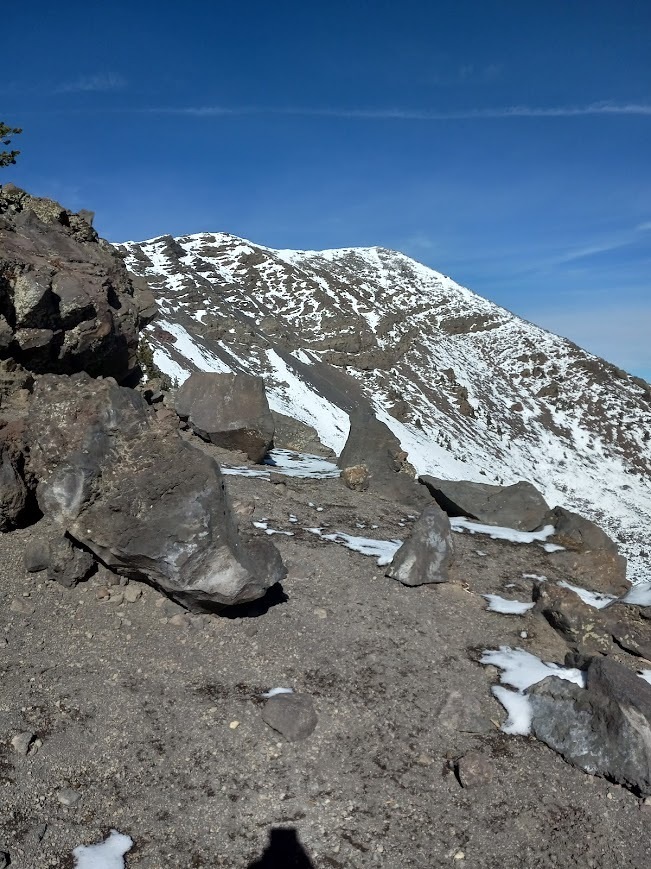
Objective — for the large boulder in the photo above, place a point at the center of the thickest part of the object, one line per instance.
(604, 728)
(66, 301)
(518, 506)
(229, 410)
(372, 445)
(425, 557)
(589, 555)
(146, 503)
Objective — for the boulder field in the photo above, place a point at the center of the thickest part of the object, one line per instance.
(202, 652)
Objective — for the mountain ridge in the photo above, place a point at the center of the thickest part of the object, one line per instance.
(471, 390)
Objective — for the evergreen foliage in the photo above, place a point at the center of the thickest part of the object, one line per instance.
(8, 157)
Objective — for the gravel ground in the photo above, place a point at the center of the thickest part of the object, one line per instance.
(154, 717)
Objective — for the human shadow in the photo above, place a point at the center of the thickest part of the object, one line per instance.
(284, 851)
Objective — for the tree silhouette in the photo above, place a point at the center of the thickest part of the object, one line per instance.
(8, 157)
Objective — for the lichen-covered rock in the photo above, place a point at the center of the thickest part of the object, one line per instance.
(426, 556)
(66, 301)
(604, 728)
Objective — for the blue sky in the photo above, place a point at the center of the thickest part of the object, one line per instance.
(503, 143)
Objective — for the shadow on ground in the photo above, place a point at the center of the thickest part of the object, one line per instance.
(284, 851)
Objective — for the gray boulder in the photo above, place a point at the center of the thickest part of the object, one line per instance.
(146, 503)
(229, 410)
(605, 728)
(590, 556)
(518, 506)
(427, 555)
(373, 445)
(292, 715)
(67, 302)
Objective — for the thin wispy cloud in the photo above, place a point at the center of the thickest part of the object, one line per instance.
(388, 114)
(467, 74)
(93, 84)
(642, 227)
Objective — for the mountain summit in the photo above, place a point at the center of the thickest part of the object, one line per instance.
(471, 390)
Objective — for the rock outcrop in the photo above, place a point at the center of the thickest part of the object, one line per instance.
(66, 301)
(518, 506)
(146, 503)
(229, 410)
(589, 555)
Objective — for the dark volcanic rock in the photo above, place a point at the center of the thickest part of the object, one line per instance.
(590, 556)
(371, 443)
(605, 728)
(426, 556)
(148, 504)
(13, 493)
(229, 410)
(519, 506)
(292, 715)
(66, 302)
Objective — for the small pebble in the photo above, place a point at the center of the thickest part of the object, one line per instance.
(21, 742)
(321, 613)
(116, 598)
(234, 725)
(68, 797)
(102, 594)
(459, 855)
(132, 593)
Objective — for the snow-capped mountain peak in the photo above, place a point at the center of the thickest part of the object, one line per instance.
(471, 390)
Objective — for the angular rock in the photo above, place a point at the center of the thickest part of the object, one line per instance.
(605, 728)
(590, 556)
(146, 503)
(229, 410)
(36, 556)
(580, 624)
(67, 302)
(290, 434)
(426, 556)
(372, 444)
(518, 506)
(13, 492)
(68, 565)
(292, 715)
(356, 478)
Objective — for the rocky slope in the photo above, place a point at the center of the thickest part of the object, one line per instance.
(471, 391)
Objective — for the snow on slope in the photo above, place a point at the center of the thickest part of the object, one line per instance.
(472, 391)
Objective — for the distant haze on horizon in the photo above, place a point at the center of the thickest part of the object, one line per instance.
(504, 144)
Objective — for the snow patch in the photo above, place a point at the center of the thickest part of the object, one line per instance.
(497, 604)
(521, 670)
(383, 550)
(105, 855)
(592, 598)
(274, 692)
(496, 532)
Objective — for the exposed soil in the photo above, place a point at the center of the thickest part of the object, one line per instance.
(135, 705)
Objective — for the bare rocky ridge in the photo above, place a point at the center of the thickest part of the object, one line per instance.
(168, 671)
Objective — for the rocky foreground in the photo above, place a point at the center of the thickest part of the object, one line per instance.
(156, 583)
